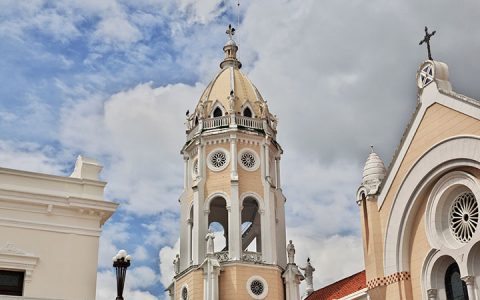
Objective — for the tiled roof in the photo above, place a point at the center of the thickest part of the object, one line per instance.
(341, 288)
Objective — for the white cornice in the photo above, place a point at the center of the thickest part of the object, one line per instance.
(43, 226)
(50, 177)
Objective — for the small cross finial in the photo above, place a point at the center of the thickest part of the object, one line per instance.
(426, 40)
(371, 148)
(230, 31)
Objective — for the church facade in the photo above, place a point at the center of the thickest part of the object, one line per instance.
(420, 217)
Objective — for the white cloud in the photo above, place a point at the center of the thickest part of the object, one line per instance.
(141, 132)
(107, 288)
(167, 255)
(112, 233)
(29, 157)
(116, 31)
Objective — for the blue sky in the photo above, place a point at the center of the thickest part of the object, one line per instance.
(112, 79)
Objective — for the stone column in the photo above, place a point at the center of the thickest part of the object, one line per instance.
(234, 154)
(432, 294)
(470, 282)
(190, 241)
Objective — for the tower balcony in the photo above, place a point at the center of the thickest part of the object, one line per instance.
(194, 128)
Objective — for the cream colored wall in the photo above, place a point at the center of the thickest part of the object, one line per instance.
(194, 281)
(233, 281)
(419, 248)
(217, 181)
(439, 122)
(64, 259)
(249, 181)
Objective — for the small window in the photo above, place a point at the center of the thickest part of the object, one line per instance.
(247, 112)
(196, 121)
(455, 288)
(217, 112)
(11, 283)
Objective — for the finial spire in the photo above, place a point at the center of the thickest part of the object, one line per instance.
(371, 149)
(230, 50)
(426, 40)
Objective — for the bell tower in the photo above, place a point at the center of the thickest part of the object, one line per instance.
(232, 236)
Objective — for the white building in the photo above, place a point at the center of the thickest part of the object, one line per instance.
(49, 232)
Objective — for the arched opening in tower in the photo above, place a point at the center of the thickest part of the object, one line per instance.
(218, 223)
(251, 226)
(247, 112)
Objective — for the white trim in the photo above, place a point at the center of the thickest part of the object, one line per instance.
(261, 204)
(360, 294)
(12, 258)
(17, 223)
(219, 105)
(249, 105)
(224, 166)
(214, 195)
(256, 164)
(448, 154)
(430, 95)
(439, 203)
(265, 287)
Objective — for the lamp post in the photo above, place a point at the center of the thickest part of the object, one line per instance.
(121, 262)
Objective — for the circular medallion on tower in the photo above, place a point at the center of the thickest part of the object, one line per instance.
(464, 217)
(257, 287)
(248, 159)
(425, 75)
(218, 159)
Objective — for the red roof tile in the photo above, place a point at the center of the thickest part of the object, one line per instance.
(341, 288)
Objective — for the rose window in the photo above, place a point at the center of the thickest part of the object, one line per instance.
(248, 160)
(184, 293)
(464, 217)
(218, 159)
(256, 286)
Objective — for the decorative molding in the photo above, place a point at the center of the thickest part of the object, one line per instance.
(14, 258)
(469, 280)
(383, 281)
(432, 293)
(50, 227)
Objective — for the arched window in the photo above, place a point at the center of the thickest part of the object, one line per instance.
(251, 226)
(218, 223)
(247, 112)
(217, 112)
(196, 120)
(455, 288)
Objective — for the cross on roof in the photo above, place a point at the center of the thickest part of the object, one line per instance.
(230, 31)
(426, 40)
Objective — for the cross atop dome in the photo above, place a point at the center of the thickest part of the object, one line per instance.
(230, 31)
(230, 50)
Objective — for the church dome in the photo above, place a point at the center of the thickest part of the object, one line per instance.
(230, 90)
(374, 170)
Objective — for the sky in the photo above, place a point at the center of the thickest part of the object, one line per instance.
(112, 80)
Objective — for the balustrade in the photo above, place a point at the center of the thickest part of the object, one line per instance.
(225, 121)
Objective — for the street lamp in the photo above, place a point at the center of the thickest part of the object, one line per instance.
(121, 262)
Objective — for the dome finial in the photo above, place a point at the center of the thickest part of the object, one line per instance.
(230, 50)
